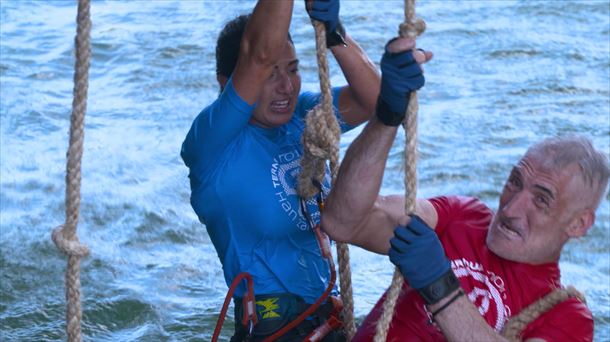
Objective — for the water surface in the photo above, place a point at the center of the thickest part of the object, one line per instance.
(505, 75)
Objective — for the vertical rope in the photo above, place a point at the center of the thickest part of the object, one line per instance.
(322, 133)
(347, 296)
(320, 143)
(411, 28)
(64, 236)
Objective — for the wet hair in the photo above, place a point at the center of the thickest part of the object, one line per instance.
(227, 45)
(564, 151)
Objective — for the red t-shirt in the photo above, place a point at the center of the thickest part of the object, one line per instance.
(498, 287)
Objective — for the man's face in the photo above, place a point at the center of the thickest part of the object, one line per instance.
(279, 95)
(537, 212)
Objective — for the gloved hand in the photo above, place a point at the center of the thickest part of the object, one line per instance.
(400, 75)
(418, 253)
(327, 11)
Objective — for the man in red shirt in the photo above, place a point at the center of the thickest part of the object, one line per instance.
(468, 270)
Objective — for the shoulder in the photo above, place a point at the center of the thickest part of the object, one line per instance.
(570, 320)
(229, 99)
(459, 205)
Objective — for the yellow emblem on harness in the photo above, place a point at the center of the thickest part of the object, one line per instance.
(269, 305)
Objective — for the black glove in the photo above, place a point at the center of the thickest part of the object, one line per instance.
(418, 253)
(327, 11)
(400, 75)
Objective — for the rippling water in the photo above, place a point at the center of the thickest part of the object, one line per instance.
(505, 74)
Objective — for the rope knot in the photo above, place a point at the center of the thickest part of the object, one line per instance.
(320, 143)
(71, 247)
(320, 135)
(412, 29)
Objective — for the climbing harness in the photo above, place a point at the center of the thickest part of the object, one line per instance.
(411, 28)
(324, 244)
(249, 318)
(64, 236)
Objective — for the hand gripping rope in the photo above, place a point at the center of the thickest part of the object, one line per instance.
(411, 28)
(321, 143)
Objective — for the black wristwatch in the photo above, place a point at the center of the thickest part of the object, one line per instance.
(440, 288)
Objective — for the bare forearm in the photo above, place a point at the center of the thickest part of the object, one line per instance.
(267, 29)
(262, 44)
(354, 194)
(461, 321)
(358, 99)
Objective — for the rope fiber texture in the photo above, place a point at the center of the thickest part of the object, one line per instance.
(64, 236)
(515, 326)
(411, 28)
(320, 143)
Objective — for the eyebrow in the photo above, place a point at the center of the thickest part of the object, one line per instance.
(545, 190)
(515, 171)
(294, 61)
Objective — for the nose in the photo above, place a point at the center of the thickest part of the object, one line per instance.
(515, 204)
(285, 85)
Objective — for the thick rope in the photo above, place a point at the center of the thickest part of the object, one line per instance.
(320, 143)
(515, 326)
(347, 296)
(411, 28)
(322, 133)
(64, 236)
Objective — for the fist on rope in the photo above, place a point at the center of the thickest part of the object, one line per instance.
(327, 12)
(401, 73)
(418, 253)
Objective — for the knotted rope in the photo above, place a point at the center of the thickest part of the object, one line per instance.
(515, 326)
(411, 28)
(64, 236)
(322, 133)
(320, 143)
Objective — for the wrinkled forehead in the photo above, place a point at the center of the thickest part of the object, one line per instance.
(541, 167)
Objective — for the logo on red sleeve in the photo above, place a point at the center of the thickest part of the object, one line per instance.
(485, 290)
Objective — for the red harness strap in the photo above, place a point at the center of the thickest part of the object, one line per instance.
(249, 318)
(332, 323)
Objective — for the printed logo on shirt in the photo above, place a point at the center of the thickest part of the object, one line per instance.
(284, 176)
(488, 292)
(269, 307)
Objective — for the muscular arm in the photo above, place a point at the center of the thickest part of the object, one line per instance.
(263, 42)
(264, 37)
(354, 212)
(461, 321)
(357, 100)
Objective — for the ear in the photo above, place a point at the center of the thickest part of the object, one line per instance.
(581, 223)
(222, 81)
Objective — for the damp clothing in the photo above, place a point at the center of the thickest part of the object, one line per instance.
(499, 288)
(243, 188)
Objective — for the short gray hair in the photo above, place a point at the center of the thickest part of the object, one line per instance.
(593, 164)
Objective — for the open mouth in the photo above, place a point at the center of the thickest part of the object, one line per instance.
(508, 229)
(281, 106)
